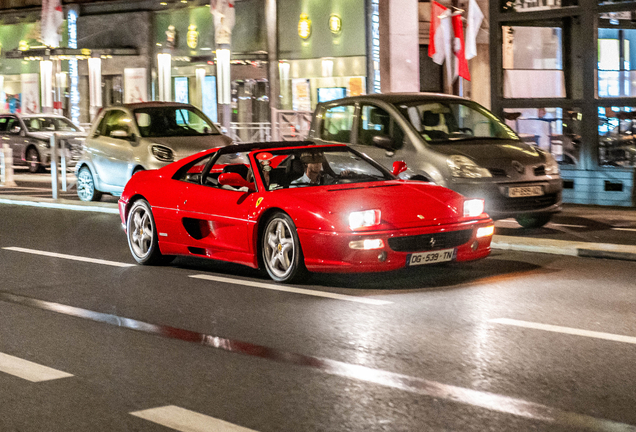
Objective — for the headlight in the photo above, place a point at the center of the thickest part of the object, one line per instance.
(485, 231)
(366, 218)
(44, 144)
(162, 153)
(551, 165)
(463, 167)
(473, 207)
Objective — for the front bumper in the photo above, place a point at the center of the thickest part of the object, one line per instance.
(500, 206)
(330, 252)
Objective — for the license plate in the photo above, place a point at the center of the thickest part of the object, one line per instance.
(525, 191)
(433, 257)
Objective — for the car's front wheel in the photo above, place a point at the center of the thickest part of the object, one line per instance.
(33, 160)
(533, 220)
(142, 235)
(281, 252)
(86, 186)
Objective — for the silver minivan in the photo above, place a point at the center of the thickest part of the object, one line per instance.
(451, 141)
(128, 138)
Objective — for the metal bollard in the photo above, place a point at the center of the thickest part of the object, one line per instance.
(63, 167)
(7, 166)
(54, 165)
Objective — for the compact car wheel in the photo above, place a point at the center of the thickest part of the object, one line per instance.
(33, 160)
(86, 186)
(142, 235)
(281, 252)
(534, 220)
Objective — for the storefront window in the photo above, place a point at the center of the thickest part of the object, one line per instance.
(616, 61)
(533, 62)
(616, 129)
(556, 130)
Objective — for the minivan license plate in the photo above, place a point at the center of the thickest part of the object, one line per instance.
(433, 257)
(525, 191)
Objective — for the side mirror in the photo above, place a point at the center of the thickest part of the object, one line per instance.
(15, 130)
(235, 180)
(398, 167)
(122, 134)
(384, 142)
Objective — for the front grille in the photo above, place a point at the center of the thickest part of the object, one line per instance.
(539, 171)
(523, 203)
(433, 241)
(497, 172)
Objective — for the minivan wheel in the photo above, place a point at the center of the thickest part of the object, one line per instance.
(33, 160)
(86, 186)
(533, 220)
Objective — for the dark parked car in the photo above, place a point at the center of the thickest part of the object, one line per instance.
(29, 135)
(451, 141)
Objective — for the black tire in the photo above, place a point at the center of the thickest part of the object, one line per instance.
(533, 220)
(33, 160)
(142, 235)
(280, 250)
(86, 186)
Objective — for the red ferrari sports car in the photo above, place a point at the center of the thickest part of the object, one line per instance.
(293, 208)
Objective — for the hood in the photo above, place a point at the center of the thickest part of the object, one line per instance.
(403, 204)
(485, 152)
(184, 146)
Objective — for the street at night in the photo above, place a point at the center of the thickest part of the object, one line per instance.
(517, 341)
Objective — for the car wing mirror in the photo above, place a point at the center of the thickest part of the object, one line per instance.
(398, 167)
(15, 130)
(235, 180)
(122, 134)
(384, 142)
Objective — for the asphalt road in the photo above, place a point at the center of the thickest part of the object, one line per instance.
(515, 342)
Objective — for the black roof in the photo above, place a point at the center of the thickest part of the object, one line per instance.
(236, 148)
(394, 98)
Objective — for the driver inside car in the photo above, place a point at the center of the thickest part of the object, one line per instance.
(314, 171)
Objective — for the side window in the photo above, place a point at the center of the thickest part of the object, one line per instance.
(4, 121)
(337, 124)
(238, 163)
(193, 173)
(13, 122)
(116, 120)
(376, 122)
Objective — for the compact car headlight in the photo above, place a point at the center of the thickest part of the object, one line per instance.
(551, 165)
(473, 207)
(463, 167)
(164, 154)
(366, 218)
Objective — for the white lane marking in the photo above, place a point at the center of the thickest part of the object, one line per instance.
(184, 420)
(60, 206)
(625, 229)
(568, 225)
(70, 257)
(513, 222)
(28, 370)
(293, 290)
(565, 330)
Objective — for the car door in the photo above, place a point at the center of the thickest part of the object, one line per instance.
(380, 136)
(14, 140)
(112, 153)
(217, 218)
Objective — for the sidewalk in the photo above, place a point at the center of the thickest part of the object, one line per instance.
(572, 235)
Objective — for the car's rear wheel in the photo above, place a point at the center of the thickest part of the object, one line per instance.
(281, 252)
(533, 220)
(33, 160)
(86, 186)
(142, 235)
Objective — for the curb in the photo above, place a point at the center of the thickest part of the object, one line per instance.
(564, 247)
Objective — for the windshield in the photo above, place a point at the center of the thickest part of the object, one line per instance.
(172, 121)
(49, 124)
(439, 122)
(293, 168)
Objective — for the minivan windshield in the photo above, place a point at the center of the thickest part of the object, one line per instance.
(441, 121)
(169, 121)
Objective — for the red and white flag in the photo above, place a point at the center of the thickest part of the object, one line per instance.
(473, 23)
(436, 49)
(461, 65)
(52, 19)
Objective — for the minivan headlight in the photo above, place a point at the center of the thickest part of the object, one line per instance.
(164, 154)
(463, 167)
